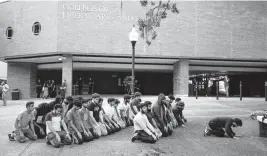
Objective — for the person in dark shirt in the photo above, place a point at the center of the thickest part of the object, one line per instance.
(159, 113)
(217, 126)
(177, 109)
(38, 88)
(151, 119)
(39, 114)
(94, 111)
(80, 85)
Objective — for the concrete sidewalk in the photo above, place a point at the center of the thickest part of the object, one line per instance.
(187, 141)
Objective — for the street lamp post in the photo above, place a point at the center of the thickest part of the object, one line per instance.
(133, 37)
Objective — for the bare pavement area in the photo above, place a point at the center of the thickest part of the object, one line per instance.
(188, 141)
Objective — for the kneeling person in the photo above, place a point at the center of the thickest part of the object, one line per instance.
(217, 124)
(24, 125)
(76, 127)
(144, 131)
(55, 135)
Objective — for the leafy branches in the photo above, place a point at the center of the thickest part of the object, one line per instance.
(157, 11)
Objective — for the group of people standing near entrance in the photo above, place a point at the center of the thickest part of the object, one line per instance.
(48, 89)
(78, 120)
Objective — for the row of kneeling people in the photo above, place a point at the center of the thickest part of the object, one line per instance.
(78, 120)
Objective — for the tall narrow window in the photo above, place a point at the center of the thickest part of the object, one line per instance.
(9, 32)
(36, 28)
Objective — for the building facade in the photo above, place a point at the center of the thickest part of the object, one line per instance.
(65, 40)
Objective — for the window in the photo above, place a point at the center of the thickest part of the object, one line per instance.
(9, 32)
(36, 28)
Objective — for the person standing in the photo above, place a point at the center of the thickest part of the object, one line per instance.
(91, 86)
(209, 89)
(45, 89)
(80, 85)
(63, 89)
(53, 89)
(38, 88)
(4, 92)
(226, 85)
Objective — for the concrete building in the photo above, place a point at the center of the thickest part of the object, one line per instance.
(92, 38)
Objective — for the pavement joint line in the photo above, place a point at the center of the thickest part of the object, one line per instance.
(27, 147)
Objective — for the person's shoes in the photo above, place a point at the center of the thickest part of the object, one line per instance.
(47, 141)
(185, 120)
(206, 132)
(11, 138)
(134, 138)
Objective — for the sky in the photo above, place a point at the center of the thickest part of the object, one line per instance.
(3, 69)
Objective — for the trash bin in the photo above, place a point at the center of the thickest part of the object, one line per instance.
(262, 126)
(15, 94)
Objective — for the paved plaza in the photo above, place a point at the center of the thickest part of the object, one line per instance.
(187, 141)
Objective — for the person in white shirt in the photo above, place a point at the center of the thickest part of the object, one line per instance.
(117, 115)
(123, 109)
(144, 131)
(110, 112)
(4, 92)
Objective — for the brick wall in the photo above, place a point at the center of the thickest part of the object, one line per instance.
(22, 76)
(181, 77)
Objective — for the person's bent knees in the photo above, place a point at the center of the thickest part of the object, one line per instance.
(77, 140)
(21, 139)
(85, 138)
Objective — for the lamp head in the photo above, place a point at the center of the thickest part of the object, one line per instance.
(133, 35)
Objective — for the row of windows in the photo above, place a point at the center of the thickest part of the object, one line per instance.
(36, 29)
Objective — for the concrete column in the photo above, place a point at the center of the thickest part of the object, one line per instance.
(181, 77)
(22, 76)
(67, 71)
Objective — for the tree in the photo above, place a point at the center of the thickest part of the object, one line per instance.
(157, 11)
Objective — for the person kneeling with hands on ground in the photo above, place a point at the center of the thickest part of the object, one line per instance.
(55, 135)
(217, 124)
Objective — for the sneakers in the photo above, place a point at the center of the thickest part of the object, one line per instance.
(47, 141)
(11, 137)
(134, 137)
(206, 132)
